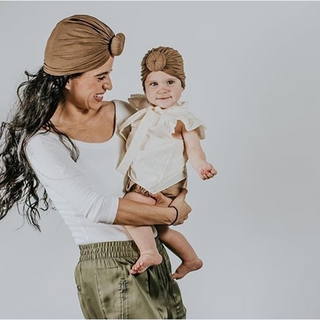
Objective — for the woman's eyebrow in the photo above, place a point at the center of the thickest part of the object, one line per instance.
(102, 73)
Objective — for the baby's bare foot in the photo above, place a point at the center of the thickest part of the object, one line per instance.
(145, 261)
(186, 267)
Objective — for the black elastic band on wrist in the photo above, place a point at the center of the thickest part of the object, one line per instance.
(177, 215)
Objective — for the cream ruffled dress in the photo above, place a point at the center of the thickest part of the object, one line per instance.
(154, 158)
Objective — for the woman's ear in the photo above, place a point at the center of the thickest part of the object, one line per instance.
(68, 85)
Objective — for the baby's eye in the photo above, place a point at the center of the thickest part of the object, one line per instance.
(171, 82)
(153, 84)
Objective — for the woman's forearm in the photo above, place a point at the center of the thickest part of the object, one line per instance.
(137, 213)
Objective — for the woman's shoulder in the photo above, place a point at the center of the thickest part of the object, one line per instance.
(123, 110)
(45, 150)
(123, 105)
(44, 139)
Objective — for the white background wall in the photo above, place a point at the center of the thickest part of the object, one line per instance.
(253, 73)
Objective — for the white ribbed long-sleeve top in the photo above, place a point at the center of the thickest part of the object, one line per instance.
(86, 192)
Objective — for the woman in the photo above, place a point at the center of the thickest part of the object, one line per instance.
(62, 141)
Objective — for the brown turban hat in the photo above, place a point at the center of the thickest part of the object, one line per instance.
(164, 59)
(80, 43)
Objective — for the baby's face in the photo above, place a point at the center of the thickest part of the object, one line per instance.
(162, 89)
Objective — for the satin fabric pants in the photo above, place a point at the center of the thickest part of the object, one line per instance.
(107, 290)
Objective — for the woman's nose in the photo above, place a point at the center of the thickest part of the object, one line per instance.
(107, 85)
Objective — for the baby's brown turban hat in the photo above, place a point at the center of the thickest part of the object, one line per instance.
(164, 59)
(80, 43)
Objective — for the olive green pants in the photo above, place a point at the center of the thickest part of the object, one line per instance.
(106, 289)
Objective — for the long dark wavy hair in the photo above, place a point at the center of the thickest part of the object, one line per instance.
(38, 99)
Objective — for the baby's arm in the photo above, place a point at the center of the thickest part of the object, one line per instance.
(196, 154)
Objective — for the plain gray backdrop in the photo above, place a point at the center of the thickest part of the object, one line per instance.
(253, 71)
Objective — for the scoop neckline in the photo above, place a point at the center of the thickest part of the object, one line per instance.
(93, 145)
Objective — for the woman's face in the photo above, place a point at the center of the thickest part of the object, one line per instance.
(86, 91)
(162, 89)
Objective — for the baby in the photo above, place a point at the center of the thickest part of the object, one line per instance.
(160, 138)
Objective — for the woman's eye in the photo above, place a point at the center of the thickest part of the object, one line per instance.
(101, 78)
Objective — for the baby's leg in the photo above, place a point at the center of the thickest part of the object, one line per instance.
(180, 246)
(144, 239)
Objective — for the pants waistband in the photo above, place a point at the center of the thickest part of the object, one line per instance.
(113, 249)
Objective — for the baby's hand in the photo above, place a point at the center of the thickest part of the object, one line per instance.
(207, 171)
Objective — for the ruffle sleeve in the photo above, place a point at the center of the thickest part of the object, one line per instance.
(188, 119)
(138, 101)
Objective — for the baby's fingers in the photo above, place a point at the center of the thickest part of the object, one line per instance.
(208, 174)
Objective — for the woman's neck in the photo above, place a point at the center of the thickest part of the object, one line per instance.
(86, 125)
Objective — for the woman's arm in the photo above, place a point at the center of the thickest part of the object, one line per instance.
(135, 213)
(67, 185)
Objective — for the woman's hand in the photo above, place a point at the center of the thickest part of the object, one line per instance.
(179, 202)
(183, 208)
(161, 199)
